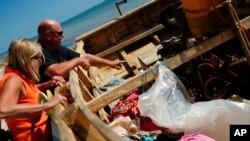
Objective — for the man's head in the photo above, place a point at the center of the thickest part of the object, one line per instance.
(50, 33)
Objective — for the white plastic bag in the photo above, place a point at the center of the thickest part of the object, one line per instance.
(166, 104)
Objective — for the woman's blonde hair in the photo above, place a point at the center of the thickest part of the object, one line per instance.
(22, 55)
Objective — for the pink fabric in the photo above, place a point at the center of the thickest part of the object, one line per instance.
(196, 137)
(126, 106)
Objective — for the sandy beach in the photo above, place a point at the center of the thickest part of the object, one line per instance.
(1, 71)
(2, 65)
(3, 124)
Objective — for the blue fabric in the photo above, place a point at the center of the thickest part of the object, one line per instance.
(147, 138)
(55, 133)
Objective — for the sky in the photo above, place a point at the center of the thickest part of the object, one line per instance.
(20, 18)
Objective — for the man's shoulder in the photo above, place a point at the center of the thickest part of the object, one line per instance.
(65, 50)
(46, 51)
(60, 49)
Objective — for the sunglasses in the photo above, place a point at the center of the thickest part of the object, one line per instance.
(58, 33)
(38, 57)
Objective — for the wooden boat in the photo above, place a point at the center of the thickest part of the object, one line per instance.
(133, 38)
(78, 121)
(111, 39)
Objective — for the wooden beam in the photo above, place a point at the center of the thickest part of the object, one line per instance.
(130, 62)
(87, 125)
(93, 72)
(86, 94)
(82, 74)
(156, 38)
(246, 22)
(69, 114)
(120, 90)
(146, 8)
(84, 81)
(198, 50)
(150, 56)
(172, 63)
(74, 86)
(79, 47)
(130, 41)
(65, 133)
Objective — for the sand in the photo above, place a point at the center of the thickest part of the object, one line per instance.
(1, 70)
(3, 124)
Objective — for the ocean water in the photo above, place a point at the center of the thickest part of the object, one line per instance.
(91, 19)
(94, 17)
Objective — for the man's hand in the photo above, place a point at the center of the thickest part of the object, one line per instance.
(117, 64)
(85, 63)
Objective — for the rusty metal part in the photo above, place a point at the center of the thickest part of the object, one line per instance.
(214, 88)
(205, 71)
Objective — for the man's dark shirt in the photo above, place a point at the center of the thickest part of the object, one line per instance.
(55, 56)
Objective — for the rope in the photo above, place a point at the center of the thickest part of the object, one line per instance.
(239, 25)
(237, 20)
(241, 32)
(225, 3)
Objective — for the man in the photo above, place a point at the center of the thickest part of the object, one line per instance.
(60, 60)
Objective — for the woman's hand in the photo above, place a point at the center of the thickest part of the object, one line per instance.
(58, 98)
(56, 79)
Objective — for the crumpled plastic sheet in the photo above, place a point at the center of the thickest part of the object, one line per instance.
(167, 103)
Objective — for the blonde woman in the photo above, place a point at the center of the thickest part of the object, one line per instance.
(19, 97)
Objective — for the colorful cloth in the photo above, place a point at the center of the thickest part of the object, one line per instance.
(196, 137)
(126, 106)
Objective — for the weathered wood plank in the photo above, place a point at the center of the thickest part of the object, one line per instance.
(130, 41)
(79, 47)
(195, 51)
(87, 125)
(65, 133)
(144, 49)
(118, 91)
(69, 114)
(85, 130)
(93, 72)
(87, 96)
(83, 76)
(83, 124)
(148, 16)
(80, 71)
(85, 83)
(172, 63)
(58, 109)
(130, 62)
(74, 86)
(150, 56)
(156, 38)
(246, 22)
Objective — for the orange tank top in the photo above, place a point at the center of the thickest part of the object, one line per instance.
(34, 127)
